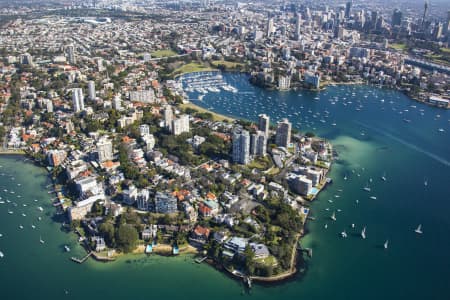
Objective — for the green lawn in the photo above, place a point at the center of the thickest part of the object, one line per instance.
(262, 163)
(227, 64)
(191, 67)
(445, 50)
(268, 261)
(163, 53)
(398, 46)
(216, 117)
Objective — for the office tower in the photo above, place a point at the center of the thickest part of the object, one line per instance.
(438, 29)
(77, 99)
(348, 9)
(180, 125)
(168, 117)
(241, 147)
(91, 90)
(71, 54)
(397, 17)
(298, 19)
(264, 123)
(425, 13)
(373, 19)
(283, 135)
(104, 150)
(270, 27)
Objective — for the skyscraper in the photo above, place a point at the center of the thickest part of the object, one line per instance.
(425, 13)
(298, 19)
(397, 17)
(348, 9)
(283, 135)
(91, 90)
(270, 27)
(241, 147)
(264, 123)
(77, 99)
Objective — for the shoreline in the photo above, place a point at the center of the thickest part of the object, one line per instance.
(216, 116)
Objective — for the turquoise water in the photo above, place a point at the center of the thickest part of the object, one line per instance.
(414, 267)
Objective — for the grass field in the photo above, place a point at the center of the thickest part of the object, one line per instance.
(227, 64)
(401, 47)
(191, 67)
(163, 53)
(216, 117)
(445, 50)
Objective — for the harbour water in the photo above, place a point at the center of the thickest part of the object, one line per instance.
(372, 138)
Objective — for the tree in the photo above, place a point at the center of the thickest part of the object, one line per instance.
(249, 256)
(126, 237)
(107, 230)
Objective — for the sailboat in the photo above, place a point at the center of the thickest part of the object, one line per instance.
(383, 177)
(333, 216)
(418, 229)
(41, 240)
(386, 244)
(363, 233)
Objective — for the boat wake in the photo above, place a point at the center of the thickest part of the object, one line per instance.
(407, 144)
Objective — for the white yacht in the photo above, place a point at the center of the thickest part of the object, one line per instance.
(363, 233)
(67, 248)
(41, 240)
(40, 208)
(386, 244)
(344, 234)
(1, 254)
(383, 177)
(418, 229)
(373, 197)
(333, 216)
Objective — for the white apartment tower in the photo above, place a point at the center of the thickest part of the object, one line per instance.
(241, 147)
(105, 150)
(91, 90)
(168, 117)
(77, 99)
(180, 125)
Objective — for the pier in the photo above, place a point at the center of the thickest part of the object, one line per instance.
(199, 260)
(80, 261)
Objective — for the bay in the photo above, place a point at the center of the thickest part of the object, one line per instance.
(370, 141)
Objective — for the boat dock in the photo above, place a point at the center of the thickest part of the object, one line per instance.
(199, 260)
(80, 261)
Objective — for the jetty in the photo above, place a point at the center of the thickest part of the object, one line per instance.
(199, 260)
(82, 260)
